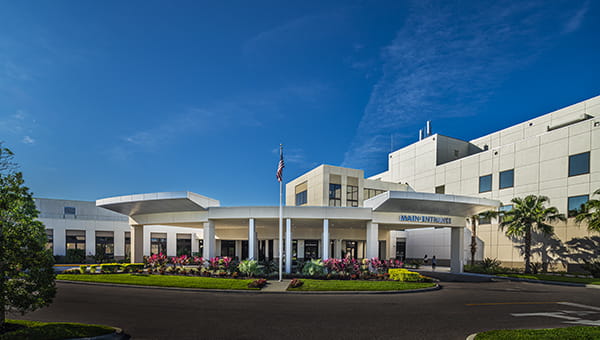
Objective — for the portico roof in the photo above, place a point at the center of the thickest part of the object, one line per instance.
(427, 203)
(158, 202)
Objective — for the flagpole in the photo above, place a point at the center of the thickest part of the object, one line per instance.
(281, 219)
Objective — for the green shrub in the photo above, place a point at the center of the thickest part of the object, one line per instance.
(249, 268)
(404, 275)
(593, 267)
(93, 269)
(72, 271)
(75, 256)
(133, 267)
(110, 267)
(83, 269)
(314, 268)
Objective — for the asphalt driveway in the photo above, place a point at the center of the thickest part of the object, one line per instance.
(455, 311)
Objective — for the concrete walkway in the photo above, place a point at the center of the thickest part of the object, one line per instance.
(276, 286)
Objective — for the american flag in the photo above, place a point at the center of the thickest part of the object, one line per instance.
(280, 167)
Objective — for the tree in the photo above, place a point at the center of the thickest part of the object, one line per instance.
(474, 220)
(529, 214)
(590, 213)
(26, 266)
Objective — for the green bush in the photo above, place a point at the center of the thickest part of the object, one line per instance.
(93, 269)
(593, 267)
(132, 267)
(110, 267)
(404, 275)
(249, 268)
(314, 268)
(75, 256)
(83, 269)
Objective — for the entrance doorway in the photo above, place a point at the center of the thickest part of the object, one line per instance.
(311, 249)
(400, 249)
(351, 249)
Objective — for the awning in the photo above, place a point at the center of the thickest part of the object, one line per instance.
(159, 202)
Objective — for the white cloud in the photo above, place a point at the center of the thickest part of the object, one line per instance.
(576, 20)
(28, 140)
(446, 61)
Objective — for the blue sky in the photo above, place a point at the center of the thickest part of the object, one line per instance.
(118, 97)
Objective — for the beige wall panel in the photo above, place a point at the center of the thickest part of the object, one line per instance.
(525, 175)
(579, 143)
(554, 135)
(469, 187)
(485, 167)
(527, 156)
(555, 149)
(553, 169)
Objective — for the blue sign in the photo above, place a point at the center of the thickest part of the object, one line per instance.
(425, 219)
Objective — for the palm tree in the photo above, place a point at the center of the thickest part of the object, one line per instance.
(590, 213)
(526, 215)
(474, 220)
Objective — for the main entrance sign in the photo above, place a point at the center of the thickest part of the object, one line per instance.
(426, 219)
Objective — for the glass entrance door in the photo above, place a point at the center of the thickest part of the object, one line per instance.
(400, 249)
(351, 249)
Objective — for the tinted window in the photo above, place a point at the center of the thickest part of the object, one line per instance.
(507, 179)
(575, 204)
(579, 164)
(301, 198)
(335, 195)
(485, 183)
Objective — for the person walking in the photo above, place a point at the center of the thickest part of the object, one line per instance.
(433, 262)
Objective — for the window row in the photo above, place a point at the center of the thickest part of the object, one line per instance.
(105, 242)
(335, 195)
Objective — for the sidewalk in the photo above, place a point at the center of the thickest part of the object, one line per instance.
(276, 286)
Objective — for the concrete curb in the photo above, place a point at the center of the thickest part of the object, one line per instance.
(116, 335)
(556, 283)
(472, 336)
(421, 290)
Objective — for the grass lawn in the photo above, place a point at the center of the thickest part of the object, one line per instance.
(161, 280)
(354, 285)
(577, 332)
(545, 277)
(34, 330)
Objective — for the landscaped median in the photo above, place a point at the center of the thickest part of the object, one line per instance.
(358, 285)
(162, 281)
(576, 332)
(34, 330)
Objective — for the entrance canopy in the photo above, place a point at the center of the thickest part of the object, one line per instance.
(426, 203)
(159, 202)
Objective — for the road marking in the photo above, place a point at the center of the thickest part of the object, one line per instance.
(558, 315)
(578, 305)
(511, 303)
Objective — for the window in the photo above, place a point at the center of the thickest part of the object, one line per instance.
(335, 195)
(311, 249)
(158, 243)
(368, 193)
(105, 245)
(184, 244)
(579, 164)
(440, 189)
(301, 198)
(351, 250)
(70, 210)
(575, 204)
(503, 209)
(75, 239)
(50, 236)
(352, 196)
(382, 250)
(228, 248)
(507, 179)
(127, 244)
(485, 183)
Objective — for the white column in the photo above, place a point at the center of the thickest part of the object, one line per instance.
(300, 249)
(195, 243)
(238, 249)
(325, 240)
(90, 242)
(252, 240)
(457, 252)
(137, 243)
(337, 249)
(119, 239)
(288, 245)
(372, 240)
(171, 243)
(209, 239)
(60, 241)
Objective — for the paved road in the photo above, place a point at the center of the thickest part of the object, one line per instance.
(455, 311)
